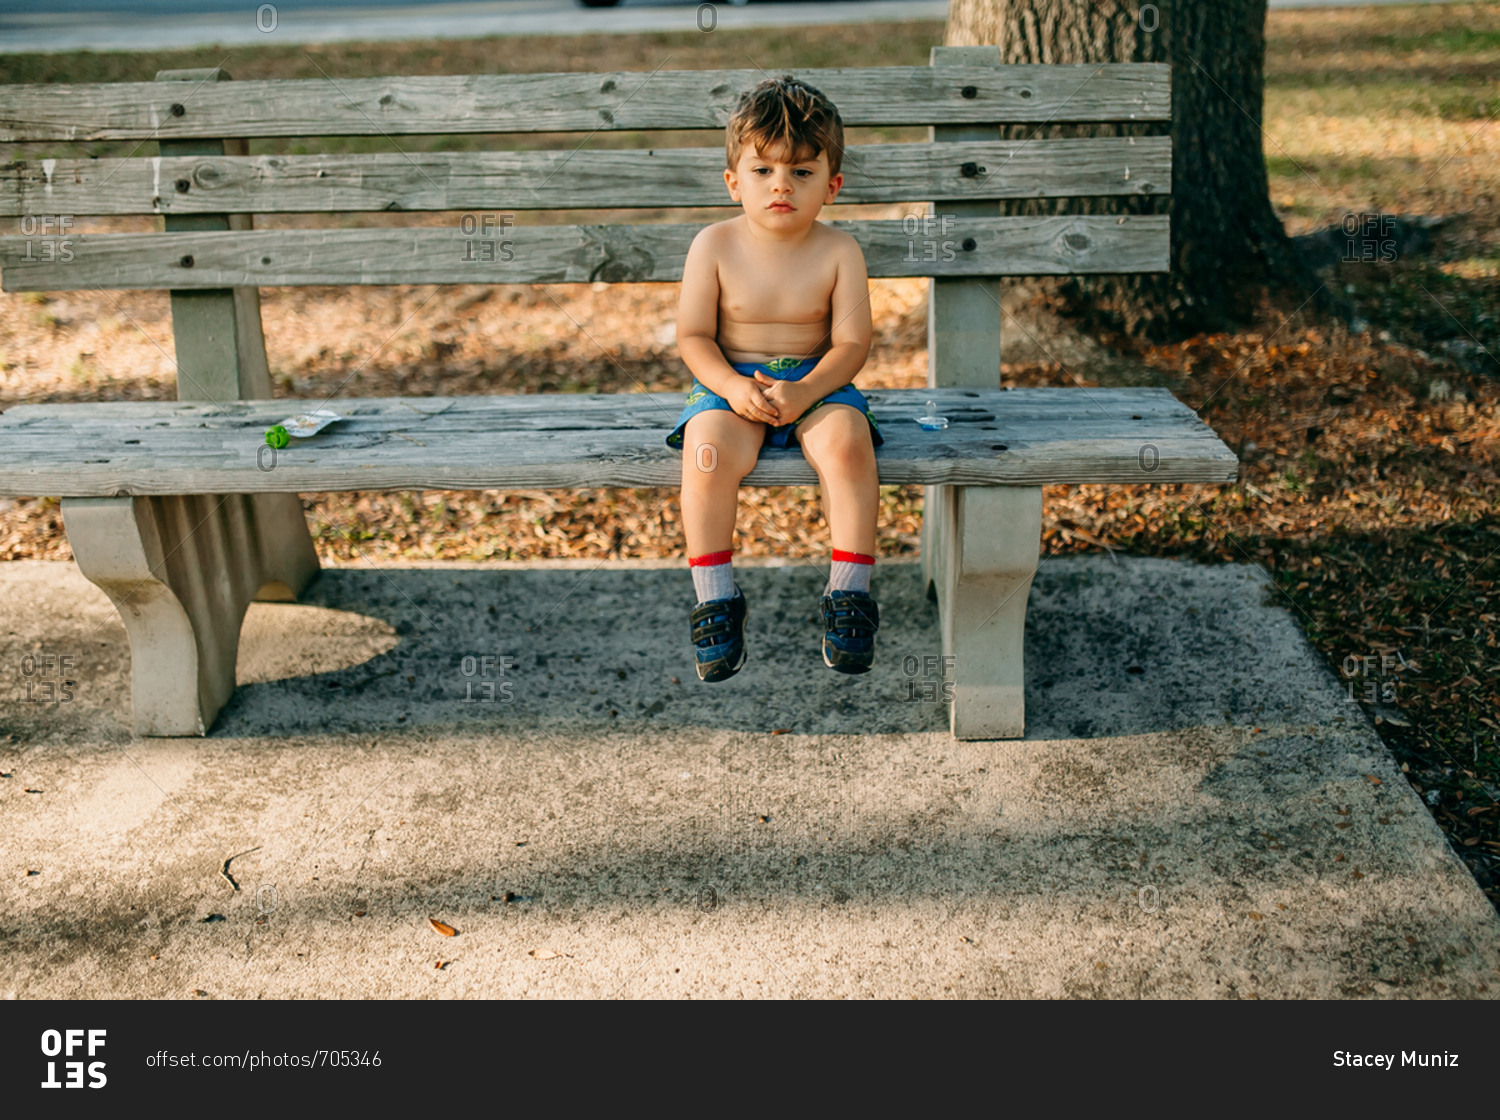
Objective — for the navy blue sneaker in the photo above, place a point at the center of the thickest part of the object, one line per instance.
(719, 636)
(852, 619)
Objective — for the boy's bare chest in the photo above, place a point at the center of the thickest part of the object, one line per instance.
(796, 288)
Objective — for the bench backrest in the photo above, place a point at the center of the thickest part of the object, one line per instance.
(207, 188)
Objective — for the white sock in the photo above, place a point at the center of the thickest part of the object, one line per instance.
(713, 575)
(851, 571)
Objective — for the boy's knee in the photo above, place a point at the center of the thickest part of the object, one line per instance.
(843, 445)
(711, 460)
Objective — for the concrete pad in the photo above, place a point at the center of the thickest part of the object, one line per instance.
(1196, 810)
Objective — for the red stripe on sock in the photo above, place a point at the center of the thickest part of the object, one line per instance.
(709, 559)
(852, 557)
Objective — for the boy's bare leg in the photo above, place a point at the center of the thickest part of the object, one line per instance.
(719, 448)
(836, 440)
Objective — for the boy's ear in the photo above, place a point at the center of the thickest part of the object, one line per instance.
(732, 181)
(834, 186)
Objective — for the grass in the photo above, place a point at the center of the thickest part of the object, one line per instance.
(1369, 485)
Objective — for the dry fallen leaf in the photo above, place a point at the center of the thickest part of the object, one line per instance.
(544, 954)
(1373, 778)
(781, 731)
(443, 927)
(1257, 915)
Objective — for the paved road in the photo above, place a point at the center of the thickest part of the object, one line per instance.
(58, 25)
(126, 27)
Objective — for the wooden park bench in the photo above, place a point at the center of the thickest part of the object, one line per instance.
(183, 516)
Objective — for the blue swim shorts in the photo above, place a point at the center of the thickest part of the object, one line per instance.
(700, 398)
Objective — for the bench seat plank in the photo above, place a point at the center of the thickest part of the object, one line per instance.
(1006, 246)
(573, 102)
(534, 442)
(559, 180)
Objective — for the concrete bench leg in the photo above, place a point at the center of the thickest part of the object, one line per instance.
(181, 571)
(980, 549)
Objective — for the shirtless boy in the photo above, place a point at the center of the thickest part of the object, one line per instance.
(774, 322)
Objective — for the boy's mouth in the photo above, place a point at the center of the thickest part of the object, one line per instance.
(782, 206)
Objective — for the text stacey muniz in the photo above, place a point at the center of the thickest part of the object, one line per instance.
(1388, 1061)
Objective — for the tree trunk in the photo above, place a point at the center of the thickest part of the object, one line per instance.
(1227, 244)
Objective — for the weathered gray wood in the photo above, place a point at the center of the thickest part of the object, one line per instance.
(572, 102)
(181, 571)
(556, 180)
(522, 412)
(1018, 437)
(963, 316)
(220, 349)
(221, 356)
(1010, 246)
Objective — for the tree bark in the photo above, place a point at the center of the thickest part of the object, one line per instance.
(1228, 246)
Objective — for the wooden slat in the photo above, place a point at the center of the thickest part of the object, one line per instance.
(567, 440)
(1008, 246)
(573, 102)
(1114, 165)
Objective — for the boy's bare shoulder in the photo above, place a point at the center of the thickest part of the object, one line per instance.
(719, 235)
(835, 236)
(839, 241)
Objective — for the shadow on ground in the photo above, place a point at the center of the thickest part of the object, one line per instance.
(1112, 649)
(1196, 809)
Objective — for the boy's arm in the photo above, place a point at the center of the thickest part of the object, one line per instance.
(698, 332)
(698, 314)
(849, 336)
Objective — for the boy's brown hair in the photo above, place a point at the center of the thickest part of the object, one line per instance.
(785, 114)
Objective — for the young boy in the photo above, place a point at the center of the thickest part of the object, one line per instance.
(774, 322)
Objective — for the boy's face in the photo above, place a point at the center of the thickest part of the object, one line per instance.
(779, 195)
